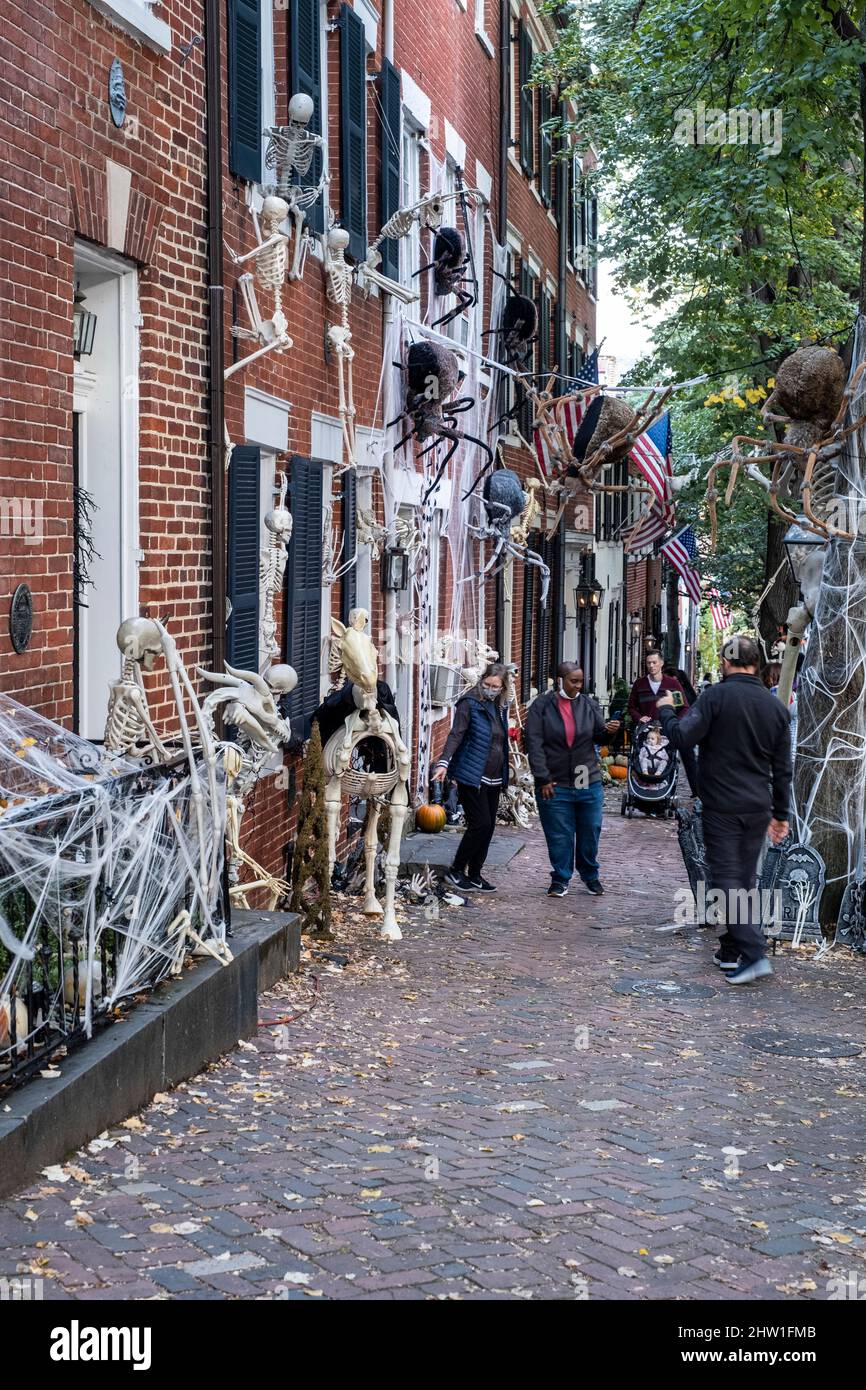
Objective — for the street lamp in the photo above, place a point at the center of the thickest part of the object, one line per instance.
(800, 543)
(635, 627)
(596, 596)
(83, 327)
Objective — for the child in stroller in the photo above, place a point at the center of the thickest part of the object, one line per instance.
(651, 779)
(653, 756)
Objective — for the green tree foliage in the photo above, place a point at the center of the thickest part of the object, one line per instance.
(740, 250)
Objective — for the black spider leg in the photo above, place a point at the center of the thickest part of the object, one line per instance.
(470, 250)
(472, 439)
(444, 433)
(458, 407)
(422, 270)
(465, 298)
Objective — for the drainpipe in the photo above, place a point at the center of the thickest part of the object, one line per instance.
(389, 406)
(504, 116)
(216, 403)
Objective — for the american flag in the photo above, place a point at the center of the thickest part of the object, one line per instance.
(589, 370)
(569, 415)
(681, 552)
(654, 521)
(652, 455)
(720, 613)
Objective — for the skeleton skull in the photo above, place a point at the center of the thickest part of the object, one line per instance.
(138, 639)
(282, 679)
(274, 213)
(279, 522)
(301, 109)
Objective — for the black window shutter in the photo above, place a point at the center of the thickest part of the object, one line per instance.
(389, 84)
(526, 632)
(544, 336)
(244, 546)
(305, 75)
(304, 591)
(353, 130)
(544, 146)
(543, 651)
(245, 89)
(557, 597)
(349, 582)
(560, 345)
(527, 101)
(592, 238)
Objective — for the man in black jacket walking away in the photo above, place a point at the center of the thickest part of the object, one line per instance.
(562, 728)
(744, 771)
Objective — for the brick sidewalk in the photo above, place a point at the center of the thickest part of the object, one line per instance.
(476, 1113)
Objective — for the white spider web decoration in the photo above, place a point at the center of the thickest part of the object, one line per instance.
(101, 875)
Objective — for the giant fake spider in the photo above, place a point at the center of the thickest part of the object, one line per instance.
(432, 376)
(510, 513)
(450, 259)
(519, 326)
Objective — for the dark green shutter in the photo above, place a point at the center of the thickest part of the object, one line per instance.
(527, 101)
(526, 631)
(389, 96)
(544, 335)
(545, 113)
(557, 597)
(560, 346)
(305, 75)
(353, 131)
(304, 591)
(245, 89)
(349, 582)
(244, 547)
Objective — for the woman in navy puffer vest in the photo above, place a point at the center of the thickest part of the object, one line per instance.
(476, 755)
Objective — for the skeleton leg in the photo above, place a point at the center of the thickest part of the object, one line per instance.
(399, 810)
(332, 816)
(372, 907)
(296, 268)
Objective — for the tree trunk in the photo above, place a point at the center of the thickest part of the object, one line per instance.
(784, 594)
(830, 769)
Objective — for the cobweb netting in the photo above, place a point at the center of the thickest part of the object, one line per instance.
(830, 770)
(104, 864)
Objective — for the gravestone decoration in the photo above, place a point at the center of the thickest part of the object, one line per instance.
(851, 927)
(690, 834)
(116, 93)
(21, 618)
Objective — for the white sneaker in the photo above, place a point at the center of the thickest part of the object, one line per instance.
(749, 973)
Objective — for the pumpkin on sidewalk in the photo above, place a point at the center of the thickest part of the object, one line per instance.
(430, 818)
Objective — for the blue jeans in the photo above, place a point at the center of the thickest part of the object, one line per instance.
(571, 821)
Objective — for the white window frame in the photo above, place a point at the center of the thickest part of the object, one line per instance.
(481, 27)
(137, 19)
(411, 137)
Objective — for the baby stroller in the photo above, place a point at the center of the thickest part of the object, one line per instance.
(651, 778)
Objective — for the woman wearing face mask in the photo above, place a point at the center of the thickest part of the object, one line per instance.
(476, 755)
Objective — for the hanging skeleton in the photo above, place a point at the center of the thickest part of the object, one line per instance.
(289, 154)
(271, 258)
(339, 276)
(272, 569)
(428, 212)
(368, 725)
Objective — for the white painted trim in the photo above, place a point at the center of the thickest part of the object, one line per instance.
(326, 438)
(266, 420)
(370, 15)
(455, 146)
(137, 19)
(416, 102)
(483, 180)
(269, 75)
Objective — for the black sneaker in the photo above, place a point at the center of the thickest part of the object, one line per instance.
(457, 880)
(557, 890)
(725, 961)
(482, 885)
(595, 888)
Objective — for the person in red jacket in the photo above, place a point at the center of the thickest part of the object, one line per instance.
(642, 706)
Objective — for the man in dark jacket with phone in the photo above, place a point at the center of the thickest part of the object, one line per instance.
(562, 729)
(744, 737)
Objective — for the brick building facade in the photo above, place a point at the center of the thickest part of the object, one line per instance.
(107, 199)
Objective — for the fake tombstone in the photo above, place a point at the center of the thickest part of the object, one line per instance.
(367, 758)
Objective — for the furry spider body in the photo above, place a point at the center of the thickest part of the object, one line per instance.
(511, 513)
(449, 263)
(432, 376)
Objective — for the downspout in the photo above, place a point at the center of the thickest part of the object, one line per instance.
(216, 402)
(504, 117)
(389, 409)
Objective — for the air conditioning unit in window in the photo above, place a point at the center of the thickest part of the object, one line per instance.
(445, 682)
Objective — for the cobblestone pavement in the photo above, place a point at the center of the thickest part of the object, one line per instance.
(478, 1113)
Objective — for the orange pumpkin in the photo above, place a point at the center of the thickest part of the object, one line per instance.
(604, 752)
(430, 819)
(619, 773)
